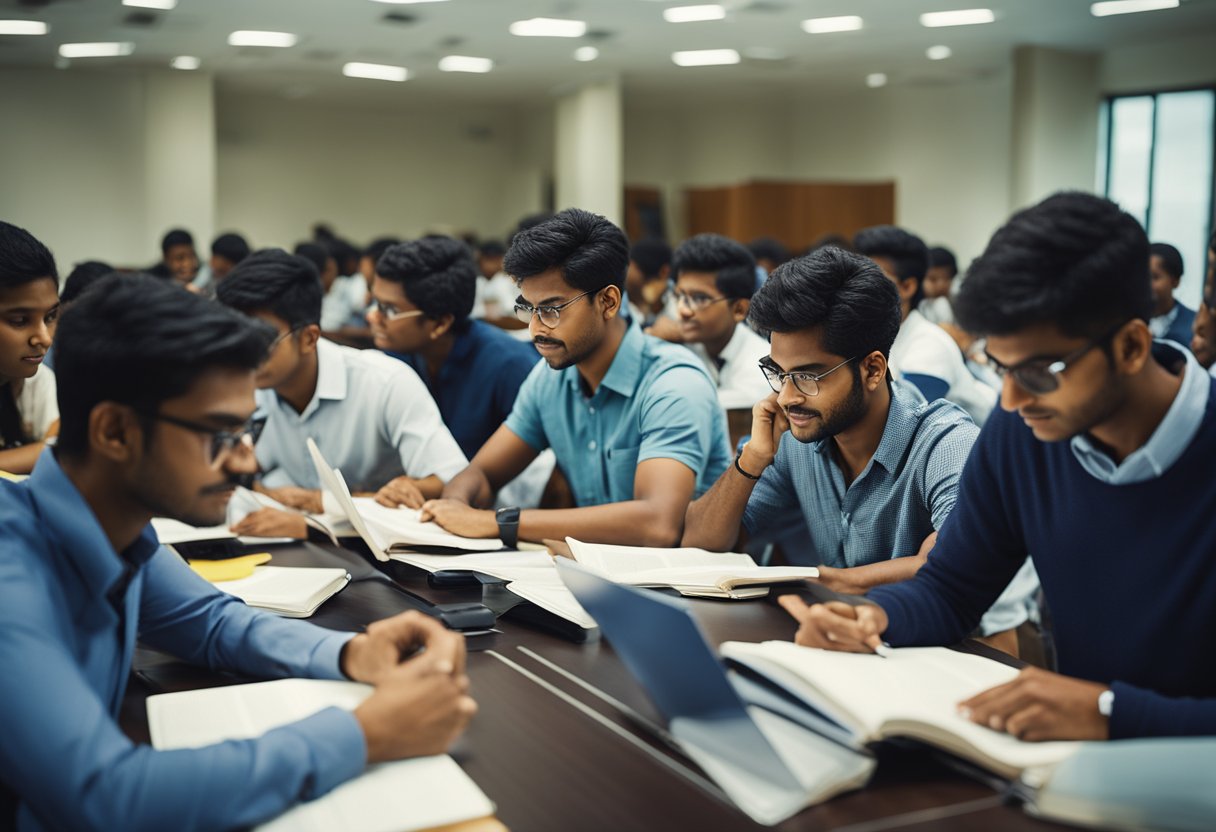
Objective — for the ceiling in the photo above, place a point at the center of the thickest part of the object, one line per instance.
(635, 43)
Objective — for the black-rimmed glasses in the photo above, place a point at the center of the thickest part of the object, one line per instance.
(806, 383)
(222, 440)
(693, 300)
(1039, 376)
(549, 315)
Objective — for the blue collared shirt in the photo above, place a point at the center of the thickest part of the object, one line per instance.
(70, 611)
(655, 402)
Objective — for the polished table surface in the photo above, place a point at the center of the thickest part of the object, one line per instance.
(555, 756)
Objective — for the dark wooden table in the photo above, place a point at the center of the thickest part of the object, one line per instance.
(554, 756)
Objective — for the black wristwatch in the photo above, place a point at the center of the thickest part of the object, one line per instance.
(508, 526)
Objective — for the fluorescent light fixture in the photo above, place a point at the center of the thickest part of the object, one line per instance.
(464, 63)
(548, 27)
(823, 25)
(377, 72)
(250, 37)
(705, 57)
(938, 53)
(876, 79)
(693, 14)
(960, 17)
(96, 50)
(163, 5)
(406, 2)
(586, 53)
(185, 62)
(1109, 7)
(23, 27)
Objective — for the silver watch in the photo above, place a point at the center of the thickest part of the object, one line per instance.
(1106, 702)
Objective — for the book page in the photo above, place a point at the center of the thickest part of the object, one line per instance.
(626, 564)
(294, 588)
(401, 527)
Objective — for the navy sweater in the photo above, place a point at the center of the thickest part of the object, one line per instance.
(1128, 571)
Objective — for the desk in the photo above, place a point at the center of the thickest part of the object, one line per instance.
(548, 765)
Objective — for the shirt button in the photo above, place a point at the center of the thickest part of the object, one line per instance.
(591, 445)
(591, 408)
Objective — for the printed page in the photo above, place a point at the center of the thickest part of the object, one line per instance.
(628, 564)
(401, 527)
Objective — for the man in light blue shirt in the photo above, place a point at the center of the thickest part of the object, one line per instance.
(634, 421)
(156, 395)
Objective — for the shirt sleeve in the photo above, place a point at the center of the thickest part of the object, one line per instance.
(415, 428)
(525, 419)
(510, 378)
(944, 468)
(677, 418)
(1143, 713)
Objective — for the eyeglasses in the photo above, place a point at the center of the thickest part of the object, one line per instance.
(1039, 376)
(696, 302)
(283, 336)
(222, 441)
(549, 315)
(392, 313)
(806, 383)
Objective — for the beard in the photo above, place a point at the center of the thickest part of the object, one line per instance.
(844, 416)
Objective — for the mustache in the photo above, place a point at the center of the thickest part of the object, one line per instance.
(550, 341)
(232, 481)
(802, 411)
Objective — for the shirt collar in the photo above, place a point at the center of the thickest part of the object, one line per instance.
(331, 374)
(626, 367)
(902, 422)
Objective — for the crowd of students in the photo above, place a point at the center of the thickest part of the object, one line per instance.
(876, 451)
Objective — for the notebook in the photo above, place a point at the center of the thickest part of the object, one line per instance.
(290, 591)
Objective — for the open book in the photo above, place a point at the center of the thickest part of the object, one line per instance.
(290, 591)
(693, 572)
(172, 532)
(389, 797)
(914, 693)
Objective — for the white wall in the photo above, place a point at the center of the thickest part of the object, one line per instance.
(1150, 67)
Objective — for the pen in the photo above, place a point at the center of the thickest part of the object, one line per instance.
(884, 650)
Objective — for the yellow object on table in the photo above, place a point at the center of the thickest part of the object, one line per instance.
(5, 475)
(230, 569)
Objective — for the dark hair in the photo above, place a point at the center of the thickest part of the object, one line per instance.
(941, 257)
(23, 259)
(1171, 258)
(767, 248)
(491, 248)
(346, 255)
(314, 253)
(1074, 260)
(232, 247)
(139, 341)
(650, 255)
(271, 280)
(907, 253)
(176, 237)
(591, 252)
(732, 265)
(376, 248)
(82, 277)
(846, 294)
(437, 274)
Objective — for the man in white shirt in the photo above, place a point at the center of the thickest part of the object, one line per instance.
(370, 415)
(923, 353)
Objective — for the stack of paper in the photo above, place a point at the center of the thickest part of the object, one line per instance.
(290, 591)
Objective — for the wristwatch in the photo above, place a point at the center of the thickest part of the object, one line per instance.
(1106, 702)
(508, 525)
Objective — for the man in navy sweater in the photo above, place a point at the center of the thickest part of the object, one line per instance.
(1101, 435)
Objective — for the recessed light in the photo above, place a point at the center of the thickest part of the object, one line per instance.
(185, 62)
(548, 27)
(377, 72)
(876, 79)
(705, 57)
(163, 5)
(23, 27)
(586, 53)
(464, 63)
(693, 14)
(1109, 7)
(823, 25)
(96, 50)
(249, 37)
(959, 17)
(938, 53)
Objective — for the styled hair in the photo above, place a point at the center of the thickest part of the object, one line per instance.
(232, 247)
(314, 253)
(650, 255)
(139, 341)
(1074, 260)
(941, 257)
(286, 285)
(590, 251)
(907, 253)
(376, 248)
(82, 277)
(732, 265)
(768, 248)
(1171, 258)
(176, 237)
(23, 259)
(437, 274)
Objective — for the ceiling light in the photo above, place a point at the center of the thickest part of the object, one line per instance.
(96, 50)
(1109, 7)
(961, 17)
(377, 72)
(185, 62)
(586, 53)
(163, 5)
(876, 79)
(23, 27)
(693, 14)
(938, 53)
(823, 25)
(548, 27)
(404, 2)
(705, 57)
(463, 63)
(247, 37)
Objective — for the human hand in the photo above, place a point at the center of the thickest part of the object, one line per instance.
(841, 580)
(271, 522)
(386, 643)
(768, 423)
(1040, 705)
(400, 491)
(460, 518)
(304, 499)
(417, 709)
(835, 625)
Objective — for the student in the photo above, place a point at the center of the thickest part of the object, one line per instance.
(768, 253)
(155, 415)
(83, 276)
(336, 306)
(29, 312)
(715, 280)
(1203, 340)
(179, 260)
(646, 281)
(227, 250)
(495, 290)
(1083, 469)
(1171, 320)
(939, 280)
(922, 353)
(371, 417)
(634, 422)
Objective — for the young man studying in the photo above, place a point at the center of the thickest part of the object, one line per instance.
(634, 421)
(1100, 467)
(156, 399)
(370, 415)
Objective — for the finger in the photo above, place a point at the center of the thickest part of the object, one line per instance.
(413, 498)
(795, 606)
(869, 618)
(839, 626)
(1028, 722)
(384, 499)
(994, 711)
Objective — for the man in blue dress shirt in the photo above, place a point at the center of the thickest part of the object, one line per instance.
(634, 421)
(156, 394)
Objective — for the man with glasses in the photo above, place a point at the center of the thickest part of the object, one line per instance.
(1100, 467)
(370, 415)
(634, 421)
(715, 280)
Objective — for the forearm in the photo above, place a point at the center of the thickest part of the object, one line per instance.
(21, 460)
(714, 520)
(858, 580)
(632, 523)
(470, 486)
(431, 487)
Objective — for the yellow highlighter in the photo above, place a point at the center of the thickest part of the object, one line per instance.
(228, 570)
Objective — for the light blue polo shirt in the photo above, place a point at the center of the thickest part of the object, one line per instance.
(655, 402)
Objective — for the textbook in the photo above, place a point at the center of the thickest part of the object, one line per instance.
(913, 694)
(172, 532)
(401, 796)
(692, 572)
(290, 591)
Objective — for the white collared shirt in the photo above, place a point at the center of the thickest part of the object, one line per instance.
(38, 403)
(372, 418)
(737, 371)
(923, 348)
